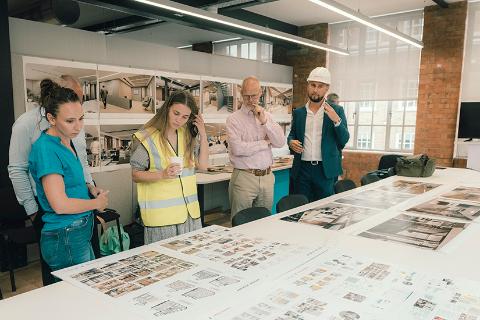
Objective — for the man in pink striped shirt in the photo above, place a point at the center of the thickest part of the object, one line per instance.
(251, 134)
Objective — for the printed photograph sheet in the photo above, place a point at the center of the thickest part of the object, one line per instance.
(154, 284)
(333, 216)
(416, 231)
(240, 252)
(375, 199)
(410, 187)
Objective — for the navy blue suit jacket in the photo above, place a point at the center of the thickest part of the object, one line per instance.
(334, 140)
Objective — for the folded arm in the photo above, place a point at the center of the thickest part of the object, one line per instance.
(18, 169)
(274, 133)
(59, 201)
(242, 148)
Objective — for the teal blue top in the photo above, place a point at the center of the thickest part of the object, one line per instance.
(50, 156)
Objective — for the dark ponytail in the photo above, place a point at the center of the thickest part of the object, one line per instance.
(52, 96)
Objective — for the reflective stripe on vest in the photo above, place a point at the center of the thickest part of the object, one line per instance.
(147, 136)
(167, 201)
(160, 204)
(186, 172)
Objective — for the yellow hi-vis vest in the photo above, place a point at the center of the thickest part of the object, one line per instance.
(167, 201)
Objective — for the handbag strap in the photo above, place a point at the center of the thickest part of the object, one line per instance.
(104, 226)
(425, 161)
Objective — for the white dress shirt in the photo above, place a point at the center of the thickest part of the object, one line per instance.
(312, 143)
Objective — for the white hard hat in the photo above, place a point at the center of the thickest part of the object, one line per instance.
(320, 74)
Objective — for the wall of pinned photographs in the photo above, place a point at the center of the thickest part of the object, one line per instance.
(118, 100)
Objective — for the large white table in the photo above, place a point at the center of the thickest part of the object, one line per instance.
(461, 258)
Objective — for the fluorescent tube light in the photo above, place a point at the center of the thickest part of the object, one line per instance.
(227, 40)
(363, 19)
(109, 75)
(216, 41)
(178, 8)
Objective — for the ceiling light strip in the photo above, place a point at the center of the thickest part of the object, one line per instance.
(213, 17)
(363, 19)
(227, 40)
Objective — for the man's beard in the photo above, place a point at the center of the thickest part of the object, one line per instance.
(315, 99)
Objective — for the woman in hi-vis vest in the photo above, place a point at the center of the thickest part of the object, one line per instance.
(165, 154)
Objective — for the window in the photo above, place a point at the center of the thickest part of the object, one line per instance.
(381, 125)
(233, 50)
(254, 50)
(244, 51)
(364, 140)
(471, 62)
(378, 82)
(265, 52)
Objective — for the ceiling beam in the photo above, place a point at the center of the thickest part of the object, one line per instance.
(441, 3)
(126, 24)
(260, 20)
(214, 22)
(133, 23)
(236, 5)
(201, 3)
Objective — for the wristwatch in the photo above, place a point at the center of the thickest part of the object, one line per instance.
(336, 124)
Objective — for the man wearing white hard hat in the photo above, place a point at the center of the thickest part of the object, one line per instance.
(318, 134)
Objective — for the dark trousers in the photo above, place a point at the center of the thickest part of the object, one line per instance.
(47, 277)
(312, 183)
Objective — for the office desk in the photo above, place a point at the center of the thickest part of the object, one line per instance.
(461, 258)
(282, 177)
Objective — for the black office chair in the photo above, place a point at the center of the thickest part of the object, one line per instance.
(386, 166)
(344, 185)
(291, 201)
(369, 178)
(249, 215)
(388, 161)
(14, 231)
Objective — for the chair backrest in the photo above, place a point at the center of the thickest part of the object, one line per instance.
(249, 215)
(388, 161)
(344, 185)
(291, 201)
(369, 178)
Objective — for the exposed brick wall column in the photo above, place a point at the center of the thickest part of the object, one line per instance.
(303, 60)
(440, 79)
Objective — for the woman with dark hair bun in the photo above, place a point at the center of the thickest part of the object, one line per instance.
(61, 188)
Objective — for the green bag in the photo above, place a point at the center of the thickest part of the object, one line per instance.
(415, 166)
(110, 243)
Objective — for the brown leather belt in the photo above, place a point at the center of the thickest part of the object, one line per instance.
(258, 172)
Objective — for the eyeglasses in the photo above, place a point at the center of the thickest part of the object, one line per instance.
(251, 96)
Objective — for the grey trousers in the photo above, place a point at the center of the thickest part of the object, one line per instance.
(154, 234)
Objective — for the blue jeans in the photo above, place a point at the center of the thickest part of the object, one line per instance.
(68, 246)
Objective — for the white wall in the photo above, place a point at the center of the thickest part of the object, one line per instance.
(49, 41)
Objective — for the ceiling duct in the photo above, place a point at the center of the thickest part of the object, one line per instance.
(61, 12)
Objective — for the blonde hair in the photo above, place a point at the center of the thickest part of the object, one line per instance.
(160, 122)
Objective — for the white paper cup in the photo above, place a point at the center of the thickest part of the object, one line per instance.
(179, 161)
